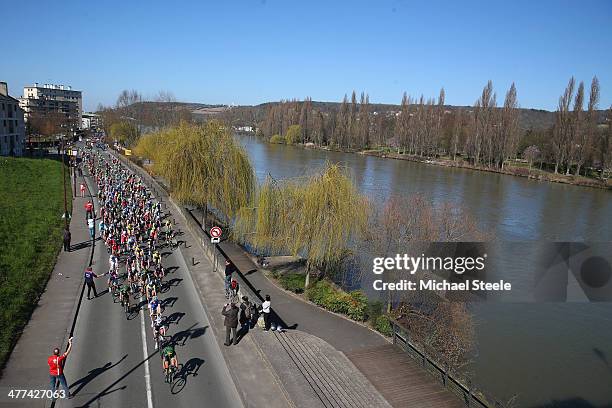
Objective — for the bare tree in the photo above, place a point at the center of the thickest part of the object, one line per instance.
(561, 130)
(531, 154)
(586, 136)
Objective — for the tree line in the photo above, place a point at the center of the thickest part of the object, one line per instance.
(133, 114)
(484, 134)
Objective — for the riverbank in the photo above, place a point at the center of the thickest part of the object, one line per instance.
(31, 205)
(519, 171)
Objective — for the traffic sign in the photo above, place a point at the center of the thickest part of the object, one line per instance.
(215, 232)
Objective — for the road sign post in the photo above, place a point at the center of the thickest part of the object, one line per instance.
(215, 235)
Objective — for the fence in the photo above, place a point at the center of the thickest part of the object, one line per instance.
(441, 372)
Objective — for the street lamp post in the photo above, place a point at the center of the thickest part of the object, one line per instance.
(64, 182)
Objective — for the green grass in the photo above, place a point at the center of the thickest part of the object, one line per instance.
(292, 281)
(31, 206)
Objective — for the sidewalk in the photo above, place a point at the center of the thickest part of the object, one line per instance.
(50, 323)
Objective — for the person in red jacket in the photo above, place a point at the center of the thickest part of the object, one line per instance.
(89, 209)
(56, 369)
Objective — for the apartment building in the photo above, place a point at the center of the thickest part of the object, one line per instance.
(12, 128)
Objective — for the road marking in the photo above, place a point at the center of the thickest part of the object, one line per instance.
(145, 354)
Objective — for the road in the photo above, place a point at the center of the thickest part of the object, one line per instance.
(114, 362)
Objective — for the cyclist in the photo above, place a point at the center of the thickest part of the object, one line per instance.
(154, 308)
(124, 295)
(150, 287)
(113, 280)
(159, 330)
(169, 358)
(156, 258)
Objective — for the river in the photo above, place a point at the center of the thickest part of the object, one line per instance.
(543, 352)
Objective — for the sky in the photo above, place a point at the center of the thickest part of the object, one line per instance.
(253, 51)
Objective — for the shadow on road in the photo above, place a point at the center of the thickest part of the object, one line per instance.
(190, 368)
(173, 318)
(190, 333)
(82, 382)
(109, 389)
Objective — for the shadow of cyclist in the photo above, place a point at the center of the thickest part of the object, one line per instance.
(82, 382)
(189, 368)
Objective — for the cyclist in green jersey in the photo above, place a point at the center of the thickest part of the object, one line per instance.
(169, 358)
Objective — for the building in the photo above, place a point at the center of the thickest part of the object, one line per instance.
(12, 128)
(41, 100)
(91, 121)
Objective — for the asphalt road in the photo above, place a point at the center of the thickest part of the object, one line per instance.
(113, 365)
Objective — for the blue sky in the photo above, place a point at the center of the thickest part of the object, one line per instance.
(248, 52)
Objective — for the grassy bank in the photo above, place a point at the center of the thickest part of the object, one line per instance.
(31, 206)
(327, 295)
(514, 169)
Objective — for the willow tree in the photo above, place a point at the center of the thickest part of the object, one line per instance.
(314, 217)
(332, 212)
(203, 165)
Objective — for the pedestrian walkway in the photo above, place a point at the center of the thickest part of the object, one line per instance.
(391, 370)
(50, 323)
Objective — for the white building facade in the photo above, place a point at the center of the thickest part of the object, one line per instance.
(12, 127)
(47, 98)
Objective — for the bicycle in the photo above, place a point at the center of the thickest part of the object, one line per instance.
(169, 373)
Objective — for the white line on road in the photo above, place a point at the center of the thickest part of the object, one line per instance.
(145, 354)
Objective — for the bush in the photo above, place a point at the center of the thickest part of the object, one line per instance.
(324, 294)
(278, 139)
(294, 134)
(319, 293)
(292, 281)
(357, 306)
(382, 324)
(375, 309)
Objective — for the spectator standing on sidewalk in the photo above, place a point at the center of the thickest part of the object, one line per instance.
(89, 210)
(82, 189)
(229, 269)
(245, 317)
(265, 308)
(89, 280)
(67, 238)
(56, 369)
(230, 323)
(91, 226)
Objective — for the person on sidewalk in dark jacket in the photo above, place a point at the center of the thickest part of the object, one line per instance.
(67, 238)
(229, 269)
(245, 317)
(89, 280)
(230, 323)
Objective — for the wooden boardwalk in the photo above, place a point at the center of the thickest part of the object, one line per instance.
(400, 379)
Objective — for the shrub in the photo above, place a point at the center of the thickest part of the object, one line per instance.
(294, 134)
(383, 325)
(319, 292)
(375, 309)
(357, 306)
(337, 302)
(277, 139)
(292, 281)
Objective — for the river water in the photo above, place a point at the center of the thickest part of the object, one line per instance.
(543, 352)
